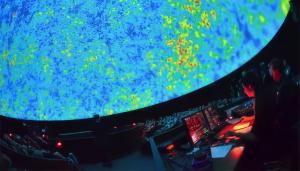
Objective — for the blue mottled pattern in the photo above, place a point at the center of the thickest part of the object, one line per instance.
(68, 59)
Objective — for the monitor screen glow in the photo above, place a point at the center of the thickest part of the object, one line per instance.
(213, 117)
(196, 127)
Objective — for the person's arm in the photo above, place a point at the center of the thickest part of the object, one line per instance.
(244, 136)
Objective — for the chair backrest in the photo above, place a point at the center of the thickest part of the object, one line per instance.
(21, 160)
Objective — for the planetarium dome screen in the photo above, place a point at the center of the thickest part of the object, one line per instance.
(69, 59)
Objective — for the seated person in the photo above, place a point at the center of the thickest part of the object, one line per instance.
(286, 93)
(257, 142)
(287, 105)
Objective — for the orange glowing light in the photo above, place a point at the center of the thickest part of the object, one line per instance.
(236, 152)
(170, 147)
(241, 126)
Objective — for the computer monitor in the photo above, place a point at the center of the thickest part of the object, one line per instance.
(213, 117)
(196, 126)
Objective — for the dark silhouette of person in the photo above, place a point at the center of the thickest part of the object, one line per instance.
(287, 105)
(258, 143)
(264, 73)
(102, 141)
(286, 94)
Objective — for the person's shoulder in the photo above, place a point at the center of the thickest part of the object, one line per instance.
(287, 80)
(267, 90)
(266, 96)
(289, 85)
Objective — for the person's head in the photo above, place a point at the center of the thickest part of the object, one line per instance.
(96, 118)
(276, 69)
(251, 83)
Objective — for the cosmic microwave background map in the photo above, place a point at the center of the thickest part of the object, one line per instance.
(69, 59)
